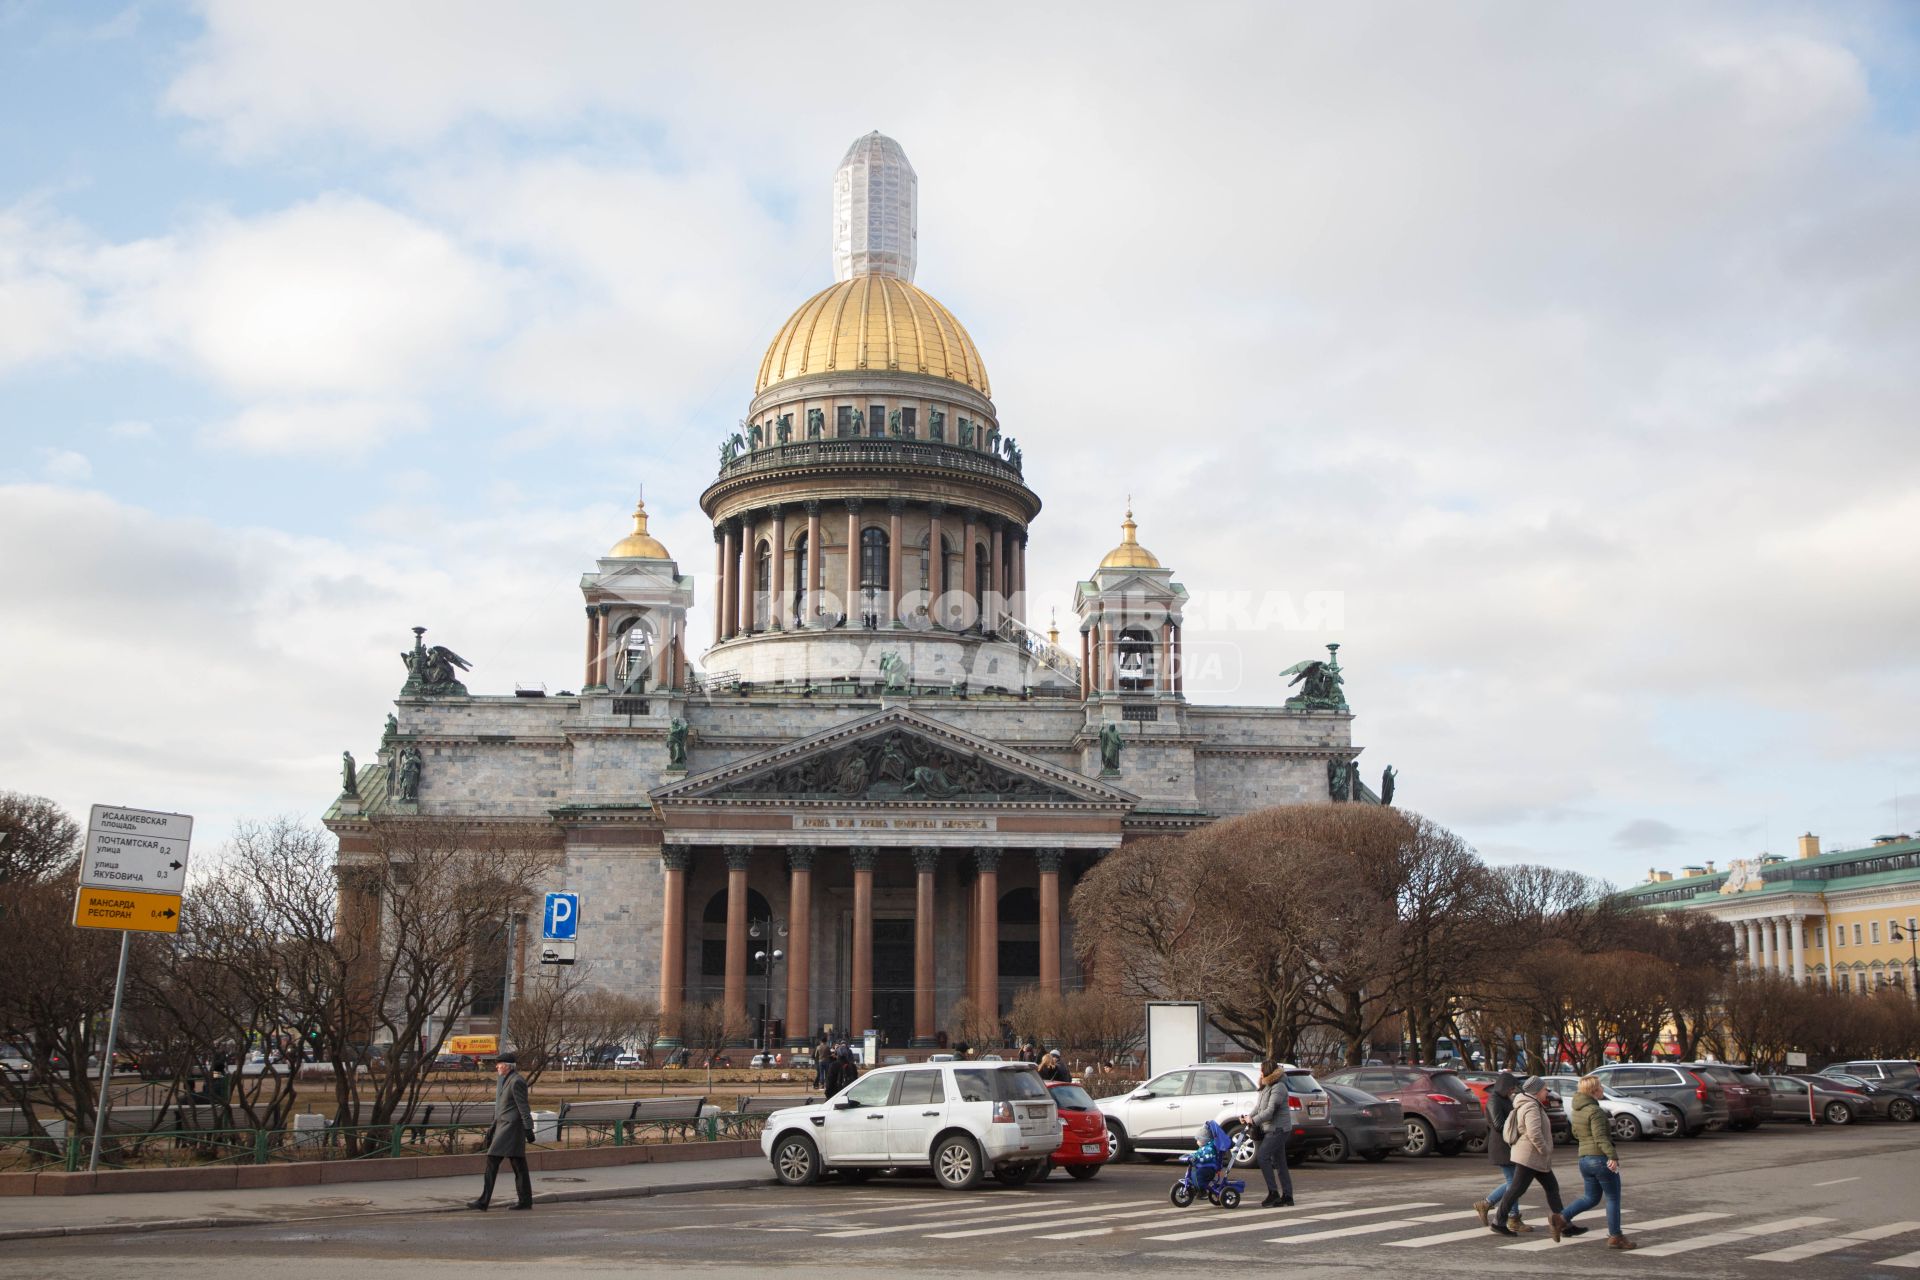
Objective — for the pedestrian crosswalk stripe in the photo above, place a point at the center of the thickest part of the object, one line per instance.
(964, 1215)
(1213, 1231)
(1814, 1248)
(883, 1204)
(1733, 1235)
(1073, 1216)
(1364, 1229)
(1272, 1224)
(1906, 1261)
(1654, 1224)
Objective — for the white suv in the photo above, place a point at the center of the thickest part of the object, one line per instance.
(960, 1119)
(1162, 1116)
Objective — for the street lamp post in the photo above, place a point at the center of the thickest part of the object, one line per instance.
(768, 957)
(1912, 939)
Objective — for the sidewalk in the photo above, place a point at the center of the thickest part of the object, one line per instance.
(33, 1217)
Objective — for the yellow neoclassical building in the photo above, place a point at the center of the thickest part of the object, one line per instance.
(1845, 919)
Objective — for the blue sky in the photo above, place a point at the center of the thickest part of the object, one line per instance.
(1575, 350)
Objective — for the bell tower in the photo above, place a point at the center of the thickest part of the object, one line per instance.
(637, 602)
(1130, 616)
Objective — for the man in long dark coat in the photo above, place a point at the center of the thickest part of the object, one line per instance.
(507, 1136)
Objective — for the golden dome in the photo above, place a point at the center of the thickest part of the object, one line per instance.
(873, 322)
(1129, 554)
(639, 545)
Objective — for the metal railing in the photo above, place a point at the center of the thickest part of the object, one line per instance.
(206, 1148)
(866, 452)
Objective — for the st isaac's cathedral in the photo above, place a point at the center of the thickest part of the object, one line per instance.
(878, 759)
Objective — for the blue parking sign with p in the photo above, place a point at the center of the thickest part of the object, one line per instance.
(562, 917)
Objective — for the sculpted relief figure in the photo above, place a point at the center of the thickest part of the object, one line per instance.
(816, 423)
(936, 425)
(677, 743)
(410, 767)
(1110, 746)
(783, 428)
(349, 780)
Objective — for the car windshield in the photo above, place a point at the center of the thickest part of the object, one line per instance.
(1071, 1097)
(1302, 1082)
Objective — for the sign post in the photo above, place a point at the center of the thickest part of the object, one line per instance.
(131, 878)
(559, 928)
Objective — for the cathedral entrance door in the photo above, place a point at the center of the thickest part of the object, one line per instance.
(893, 981)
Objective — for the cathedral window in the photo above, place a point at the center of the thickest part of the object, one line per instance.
(873, 559)
(876, 420)
(843, 421)
(908, 417)
(803, 605)
(1134, 661)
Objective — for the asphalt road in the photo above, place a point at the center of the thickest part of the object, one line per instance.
(1784, 1202)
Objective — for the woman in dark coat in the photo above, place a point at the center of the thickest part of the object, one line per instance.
(1272, 1123)
(1499, 1107)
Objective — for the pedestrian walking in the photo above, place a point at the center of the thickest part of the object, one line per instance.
(507, 1136)
(1599, 1162)
(1530, 1135)
(1499, 1153)
(1271, 1122)
(1052, 1069)
(822, 1064)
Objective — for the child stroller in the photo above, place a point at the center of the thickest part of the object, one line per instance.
(1207, 1169)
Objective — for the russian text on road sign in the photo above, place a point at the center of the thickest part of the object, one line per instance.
(136, 849)
(473, 1044)
(562, 919)
(96, 908)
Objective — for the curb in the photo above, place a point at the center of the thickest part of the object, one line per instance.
(200, 1224)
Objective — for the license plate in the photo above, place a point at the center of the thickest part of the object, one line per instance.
(1089, 1148)
(1036, 1113)
(1317, 1109)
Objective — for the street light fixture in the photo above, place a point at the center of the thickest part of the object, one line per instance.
(1912, 938)
(775, 929)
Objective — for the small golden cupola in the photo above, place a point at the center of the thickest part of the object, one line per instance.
(639, 545)
(1130, 554)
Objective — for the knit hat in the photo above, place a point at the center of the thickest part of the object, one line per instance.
(1533, 1085)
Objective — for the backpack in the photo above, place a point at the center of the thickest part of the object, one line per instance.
(1510, 1131)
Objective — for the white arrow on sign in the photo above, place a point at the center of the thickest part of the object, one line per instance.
(136, 849)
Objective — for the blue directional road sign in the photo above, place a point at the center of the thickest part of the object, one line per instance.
(561, 922)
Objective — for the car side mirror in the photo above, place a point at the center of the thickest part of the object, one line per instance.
(844, 1104)
(1144, 1093)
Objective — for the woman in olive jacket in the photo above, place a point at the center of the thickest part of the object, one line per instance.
(1599, 1162)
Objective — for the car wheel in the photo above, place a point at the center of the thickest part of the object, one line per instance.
(796, 1161)
(1017, 1175)
(1624, 1128)
(1419, 1137)
(1336, 1152)
(1375, 1157)
(1245, 1148)
(1902, 1110)
(1081, 1172)
(1119, 1150)
(1679, 1118)
(956, 1163)
(1837, 1113)
(1477, 1146)
(1181, 1195)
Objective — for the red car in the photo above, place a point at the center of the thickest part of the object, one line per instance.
(1083, 1133)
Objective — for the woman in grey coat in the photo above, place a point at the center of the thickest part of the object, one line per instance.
(1272, 1121)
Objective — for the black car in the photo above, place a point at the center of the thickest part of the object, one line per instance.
(1365, 1126)
(1899, 1099)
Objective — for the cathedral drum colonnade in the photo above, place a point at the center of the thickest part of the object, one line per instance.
(876, 765)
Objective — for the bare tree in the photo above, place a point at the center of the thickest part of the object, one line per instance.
(707, 1028)
(549, 1017)
(54, 1001)
(38, 841)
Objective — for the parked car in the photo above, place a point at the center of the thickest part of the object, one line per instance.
(1557, 1118)
(1749, 1099)
(1084, 1145)
(628, 1061)
(1628, 1119)
(1898, 1101)
(1363, 1125)
(1440, 1112)
(1698, 1104)
(1820, 1100)
(1889, 1070)
(962, 1120)
(1159, 1119)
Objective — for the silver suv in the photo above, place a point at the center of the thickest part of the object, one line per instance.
(1696, 1101)
(959, 1119)
(1159, 1119)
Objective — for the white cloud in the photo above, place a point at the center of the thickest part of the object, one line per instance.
(65, 464)
(346, 428)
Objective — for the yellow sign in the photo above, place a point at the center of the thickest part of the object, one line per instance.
(126, 909)
(478, 1046)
